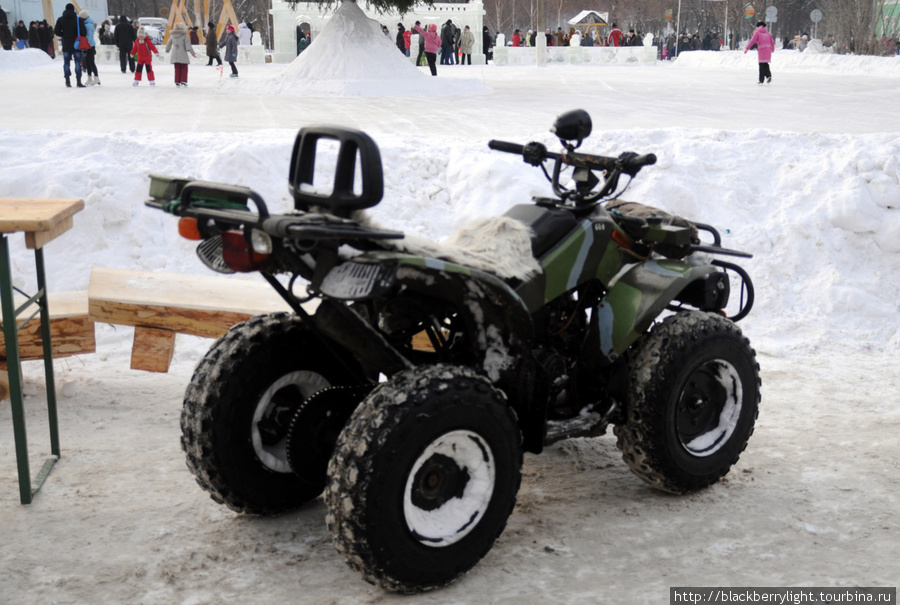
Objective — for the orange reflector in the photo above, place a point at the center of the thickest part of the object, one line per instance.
(187, 228)
(621, 239)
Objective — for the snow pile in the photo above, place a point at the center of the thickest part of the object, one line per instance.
(820, 211)
(823, 224)
(794, 61)
(353, 57)
(17, 60)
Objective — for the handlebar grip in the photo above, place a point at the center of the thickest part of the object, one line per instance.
(506, 147)
(632, 163)
(646, 160)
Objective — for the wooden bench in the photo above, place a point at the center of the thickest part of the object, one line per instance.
(71, 332)
(161, 305)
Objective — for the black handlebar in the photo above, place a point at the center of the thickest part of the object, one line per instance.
(506, 147)
(533, 153)
(629, 162)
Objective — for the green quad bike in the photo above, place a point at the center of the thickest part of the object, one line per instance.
(410, 392)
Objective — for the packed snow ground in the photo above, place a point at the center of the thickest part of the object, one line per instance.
(802, 173)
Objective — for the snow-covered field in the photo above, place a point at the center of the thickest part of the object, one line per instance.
(803, 173)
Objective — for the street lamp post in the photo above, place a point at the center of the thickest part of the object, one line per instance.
(677, 28)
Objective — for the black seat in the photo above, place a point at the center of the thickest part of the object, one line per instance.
(548, 225)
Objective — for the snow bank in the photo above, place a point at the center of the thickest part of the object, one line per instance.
(794, 61)
(17, 60)
(823, 224)
(352, 57)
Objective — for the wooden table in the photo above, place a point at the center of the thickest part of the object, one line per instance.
(41, 220)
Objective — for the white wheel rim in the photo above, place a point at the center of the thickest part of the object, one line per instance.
(454, 519)
(274, 457)
(715, 439)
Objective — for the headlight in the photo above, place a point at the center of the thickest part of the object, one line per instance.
(261, 242)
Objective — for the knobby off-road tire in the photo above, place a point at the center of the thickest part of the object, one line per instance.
(692, 404)
(238, 406)
(424, 478)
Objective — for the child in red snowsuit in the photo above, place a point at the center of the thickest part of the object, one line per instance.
(141, 50)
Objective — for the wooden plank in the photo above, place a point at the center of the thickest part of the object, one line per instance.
(189, 304)
(35, 214)
(152, 350)
(37, 239)
(71, 331)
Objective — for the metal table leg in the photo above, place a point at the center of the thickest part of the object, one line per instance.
(11, 340)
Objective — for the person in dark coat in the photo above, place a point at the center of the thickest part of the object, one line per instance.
(487, 43)
(45, 32)
(401, 43)
(21, 35)
(34, 37)
(212, 45)
(447, 36)
(68, 28)
(6, 37)
(124, 36)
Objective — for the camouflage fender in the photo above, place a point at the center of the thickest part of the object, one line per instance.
(499, 326)
(634, 300)
(496, 318)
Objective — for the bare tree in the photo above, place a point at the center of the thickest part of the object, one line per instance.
(852, 21)
(499, 15)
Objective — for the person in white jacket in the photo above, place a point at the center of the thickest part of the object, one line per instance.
(179, 47)
(245, 34)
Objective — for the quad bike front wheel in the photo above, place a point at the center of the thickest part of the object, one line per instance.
(238, 410)
(692, 403)
(424, 478)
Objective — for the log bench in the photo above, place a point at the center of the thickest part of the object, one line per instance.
(161, 305)
(71, 332)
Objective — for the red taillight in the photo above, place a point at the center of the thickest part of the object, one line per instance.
(238, 253)
(187, 228)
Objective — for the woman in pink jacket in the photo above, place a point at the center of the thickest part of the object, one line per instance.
(432, 44)
(765, 44)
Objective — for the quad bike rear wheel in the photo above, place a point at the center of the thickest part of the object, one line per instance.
(692, 404)
(424, 478)
(239, 406)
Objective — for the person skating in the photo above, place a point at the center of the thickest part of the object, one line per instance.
(765, 44)
(89, 54)
(432, 44)
(144, 49)
(68, 28)
(179, 47)
(231, 48)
